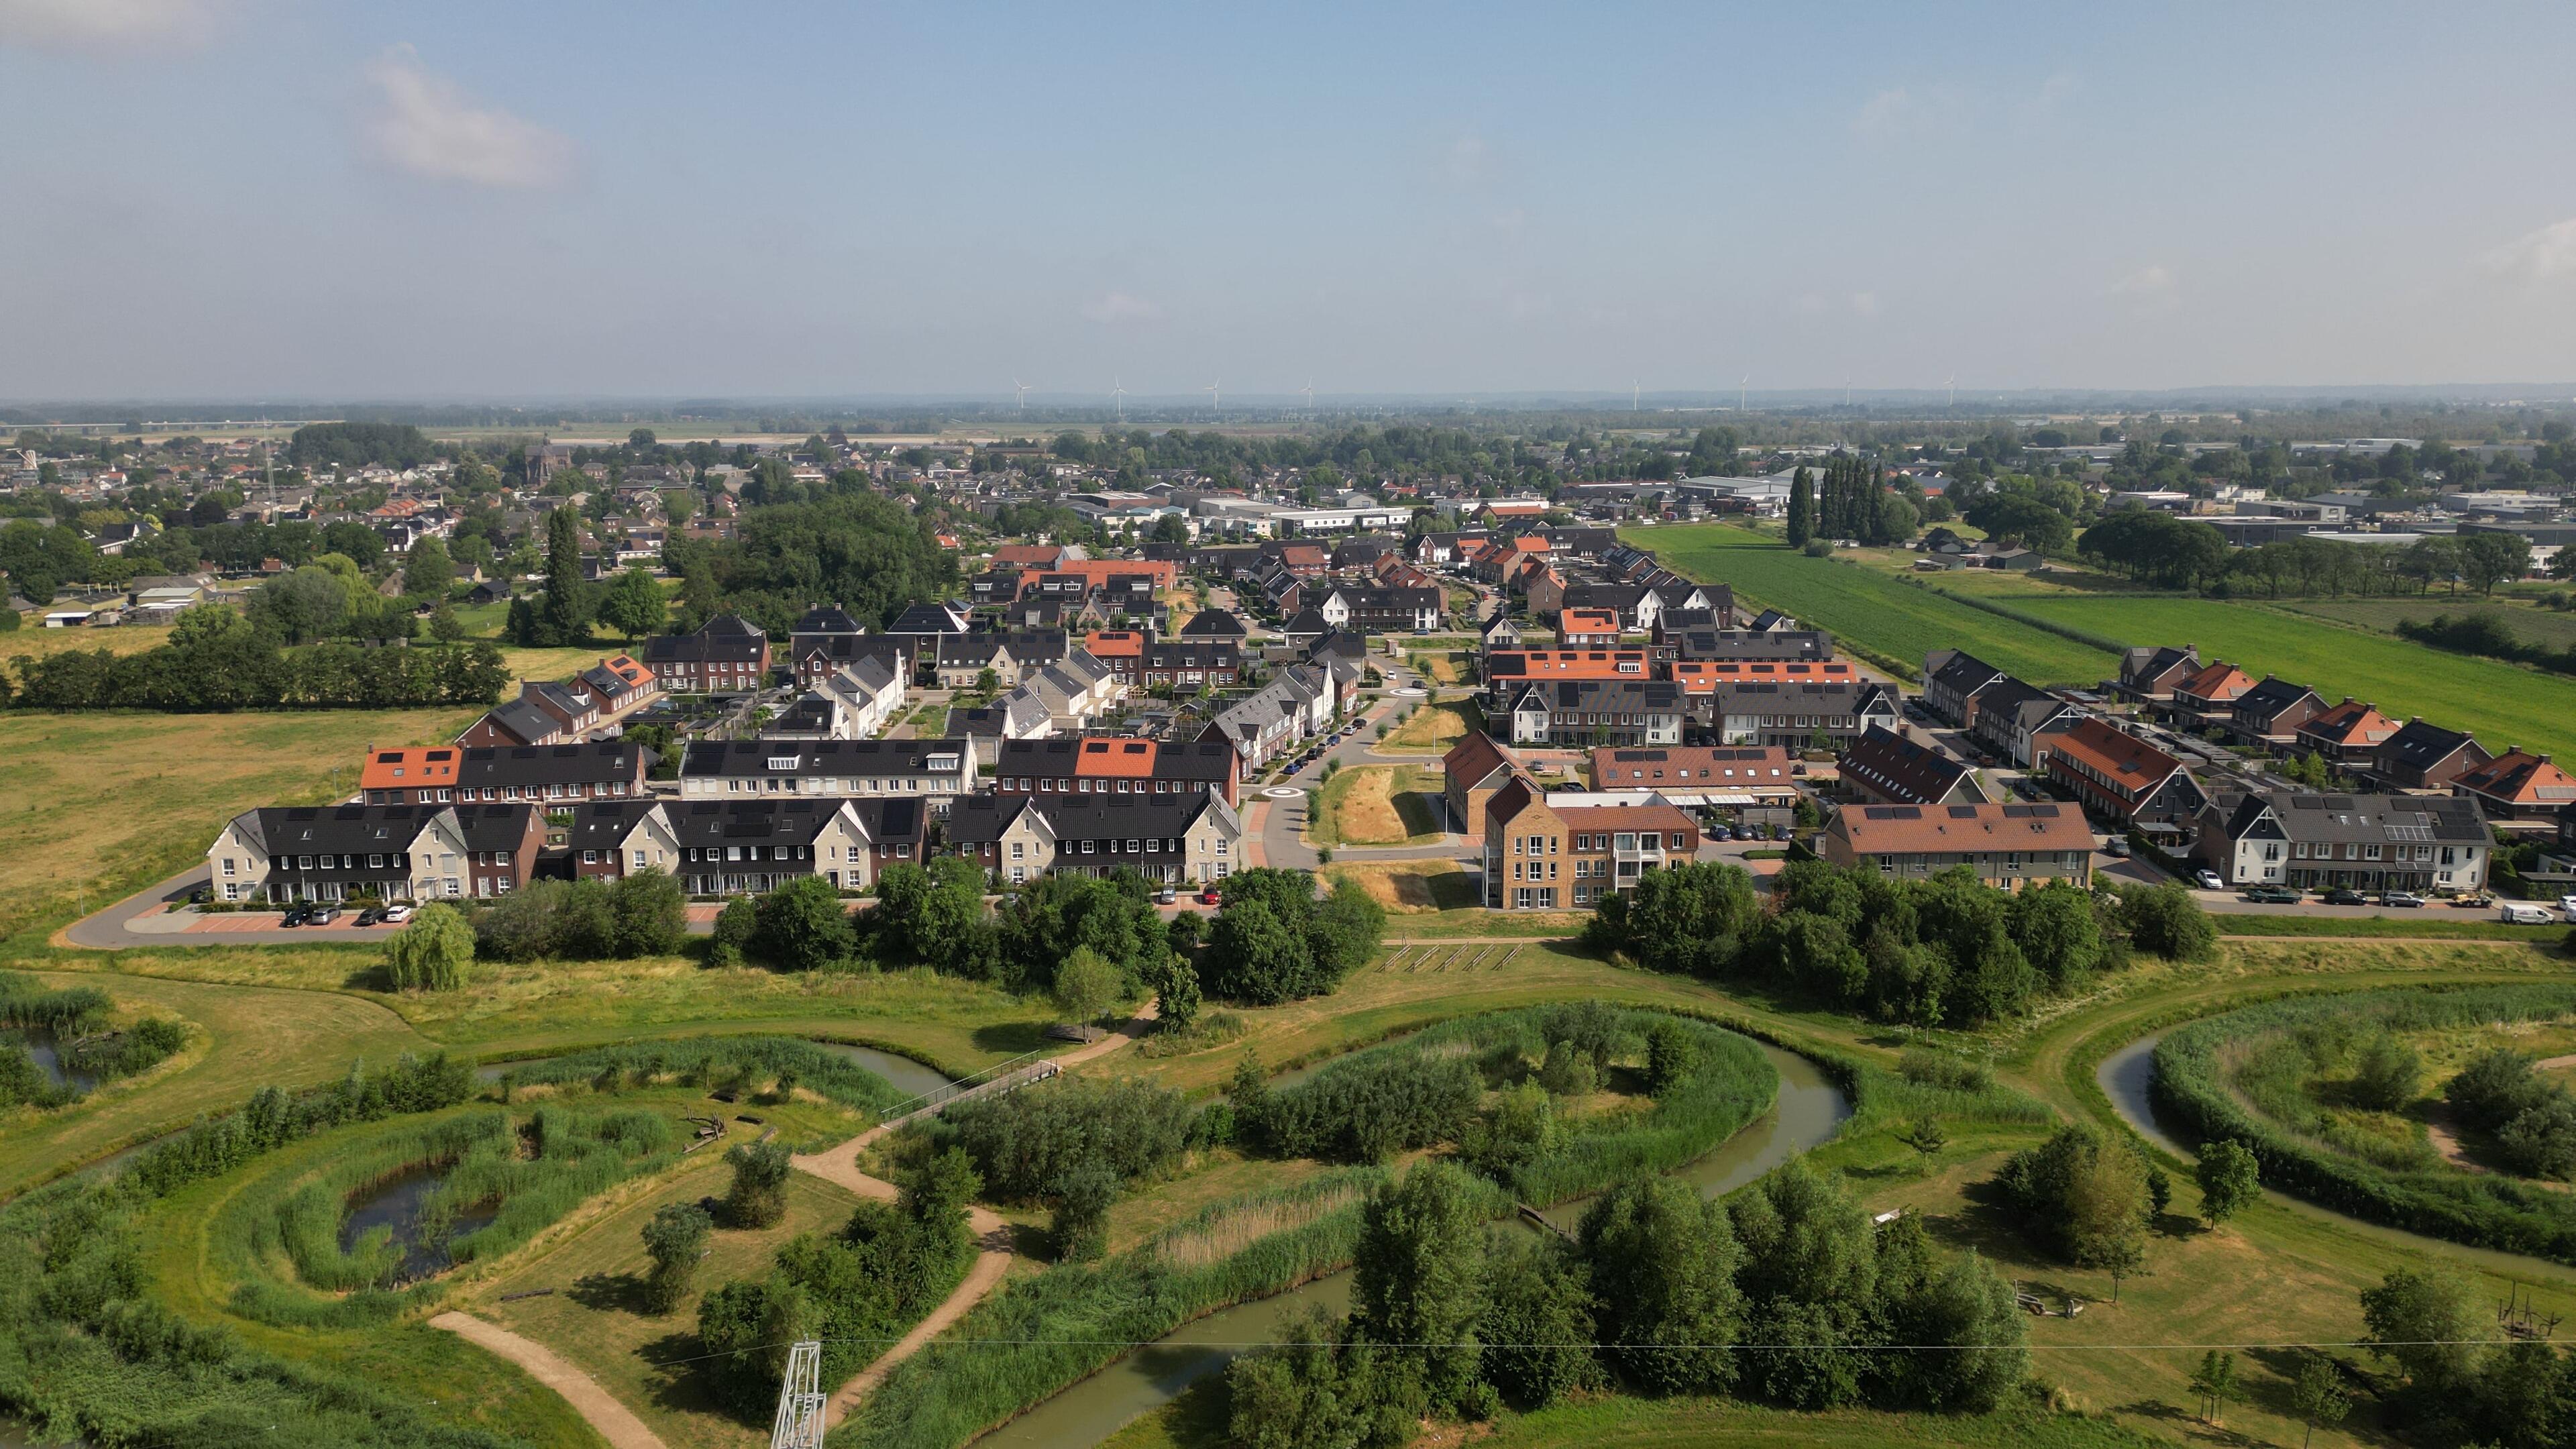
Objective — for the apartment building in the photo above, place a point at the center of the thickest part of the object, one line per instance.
(2004, 845)
(1543, 857)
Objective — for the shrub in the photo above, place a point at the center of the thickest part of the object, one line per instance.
(2389, 1074)
(735, 926)
(758, 1197)
(802, 926)
(431, 951)
(1026, 1142)
(1082, 1200)
(674, 1239)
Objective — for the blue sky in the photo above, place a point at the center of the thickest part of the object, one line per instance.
(246, 198)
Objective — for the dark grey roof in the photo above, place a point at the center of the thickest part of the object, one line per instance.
(2271, 698)
(1217, 623)
(1895, 765)
(601, 763)
(750, 822)
(2366, 819)
(892, 819)
(524, 719)
(605, 824)
(1641, 695)
(2421, 743)
(1752, 643)
(306, 829)
(801, 758)
(495, 827)
(826, 619)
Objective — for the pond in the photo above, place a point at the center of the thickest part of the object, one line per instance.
(395, 1204)
(49, 1059)
(1809, 1111)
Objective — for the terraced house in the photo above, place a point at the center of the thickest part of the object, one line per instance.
(941, 770)
(440, 774)
(2122, 780)
(751, 847)
(728, 655)
(1795, 714)
(1579, 712)
(1168, 839)
(2004, 845)
(283, 854)
(2356, 842)
(1116, 765)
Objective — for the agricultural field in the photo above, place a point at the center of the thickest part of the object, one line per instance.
(1376, 805)
(34, 641)
(1867, 607)
(2553, 628)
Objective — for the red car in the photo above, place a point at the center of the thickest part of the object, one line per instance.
(1211, 897)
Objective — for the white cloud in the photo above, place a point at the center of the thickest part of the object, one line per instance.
(1111, 308)
(104, 24)
(1864, 304)
(2544, 255)
(430, 128)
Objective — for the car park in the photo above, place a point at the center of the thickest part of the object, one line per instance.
(2265, 895)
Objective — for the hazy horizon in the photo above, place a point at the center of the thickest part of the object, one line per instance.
(255, 199)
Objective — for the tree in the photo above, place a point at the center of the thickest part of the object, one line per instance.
(633, 605)
(1662, 1264)
(1311, 1389)
(1418, 1282)
(2229, 1179)
(2215, 1382)
(427, 571)
(650, 914)
(1538, 1327)
(758, 1198)
(1084, 986)
(561, 616)
(432, 951)
(1083, 1197)
(2488, 559)
(801, 926)
(1802, 508)
(444, 626)
(2424, 1322)
(307, 603)
(674, 1238)
(736, 927)
(2318, 1395)
(2388, 1075)
(2168, 921)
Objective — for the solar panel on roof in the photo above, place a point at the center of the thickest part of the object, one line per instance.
(1969, 812)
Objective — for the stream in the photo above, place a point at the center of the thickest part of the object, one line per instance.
(2126, 1076)
(1810, 1109)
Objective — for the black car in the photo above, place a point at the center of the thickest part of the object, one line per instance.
(297, 916)
(2346, 896)
(371, 915)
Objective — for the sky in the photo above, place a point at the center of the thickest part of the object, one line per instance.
(244, 199)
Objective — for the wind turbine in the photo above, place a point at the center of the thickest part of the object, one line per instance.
(1953, 386)
(1632, 395)
(1023, 389)
(1740, 386)
(1846, 391)
(1214, 397)
(1310, 394)
(1118, 398)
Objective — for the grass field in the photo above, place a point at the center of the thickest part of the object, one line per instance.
(1410, 887)
(108, 802)
(1375, 805)
(2535, 625)
(33, 641)
(1867, 607)
(1432, 728)
(592, 1318)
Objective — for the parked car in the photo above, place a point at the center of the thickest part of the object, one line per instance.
(2209, 881)
(2346, 896)
(395, 915)
(201, 895)
(371, 915)
(2273, 895)
(1717, 832)
(2115, 846)
(2567, 906)
(1779, 832)
(2523, 913)
(2400, 898)
(296, 916)
(2472, 900)
(1211, 897)
(1166, 896)
(323, 916)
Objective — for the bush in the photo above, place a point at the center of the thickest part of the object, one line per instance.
(1025, 1143)
(749, 1061)
(2389, 1075)
(674, 1239)
(758, 1197)
(802, 926)
(735, 926)
(1274, 940)
(431, 951)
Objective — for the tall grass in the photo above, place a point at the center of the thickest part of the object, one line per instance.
(30, 1004)
(2240, 1077)
(742, 1061)
(1026, 1343)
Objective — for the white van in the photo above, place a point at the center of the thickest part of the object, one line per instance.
(2524, 913)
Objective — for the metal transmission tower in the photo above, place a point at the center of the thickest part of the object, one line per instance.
(800, 1401)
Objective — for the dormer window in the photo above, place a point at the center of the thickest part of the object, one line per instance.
(782, 762)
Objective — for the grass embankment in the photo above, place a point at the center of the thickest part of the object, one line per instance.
(97, 806)
(2415, 925)
(1375, 805)
(1410, 887)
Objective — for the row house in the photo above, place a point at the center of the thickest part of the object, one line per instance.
(1703, 774)
(1542, 587)
(2347, 735)
(1297, 703)
(2272, 712)
(2208, 697)
(1543, 857)
(612, 839)
(439, 774)
(1015, 716)
(1637, 606)
(1950, 678)
(852, 703)
(2121, 779)
(1577, 712)
(2008, 714)
(1011, 654)
(1191, 664)
(2353, 842)
(1703, 676)
(1121, 651)
(1383, 610)
(727, 655)
(1890, 767)
(2422, 756)
(942, 770)
(1167, 839)
(1111, 765)
(2007, 846)
(1391, 571)
(1218, 625)
(1071, 693)
(1509, 672)
(1738, 646)
(1497, 634)
(2517, 786)
(1588, 628)
(549, 712)
(752, 847)
(2149, 675)
(814, 658)
(1793, 714)
(282, 854)
(922, 626)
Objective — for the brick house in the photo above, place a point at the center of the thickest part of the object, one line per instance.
(1539, 857)
(2005, 845)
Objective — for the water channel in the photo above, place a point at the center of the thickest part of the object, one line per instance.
(2126, 1077)
(1810, 1109)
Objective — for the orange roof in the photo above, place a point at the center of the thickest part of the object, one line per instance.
(402, 769)
(1961, 829)
(2220, 681)
(627, 669)
(1588, 621)
(2351, 723)
(1627, 817)
(1702, 676)
(2521, 777)
(1517, 507)
(1567, 664)
(1100, 570)
(1476, 756)
(1113, 756)
(2113, 753)
(1114, 643)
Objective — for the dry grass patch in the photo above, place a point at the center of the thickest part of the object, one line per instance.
(33, 641)
(1374, 805)
(1433, 728)
(1410, 887)
(1249, 1224)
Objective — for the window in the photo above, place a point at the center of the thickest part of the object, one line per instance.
(228, 868)
(590, 857)
(1019, 850)
(639, 860)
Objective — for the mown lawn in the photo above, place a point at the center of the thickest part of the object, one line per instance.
(1866, 607)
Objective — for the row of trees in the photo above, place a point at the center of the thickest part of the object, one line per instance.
(1444, 1323)
(2174, 552)
(1945, 950)
(1852, 502)
(218, 661)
